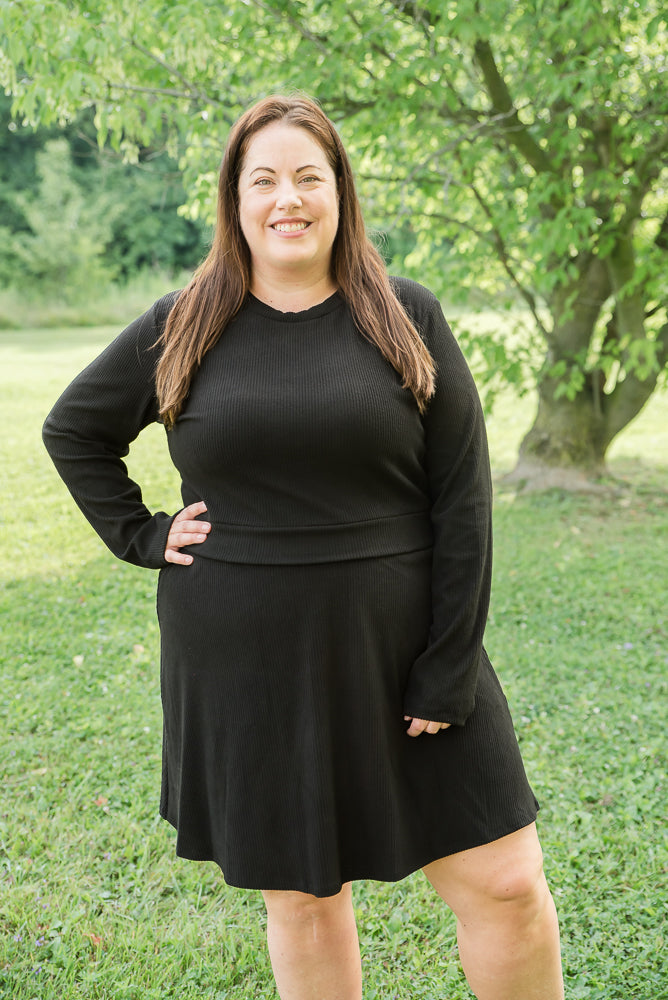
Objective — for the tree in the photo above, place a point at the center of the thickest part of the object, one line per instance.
(133, 209)
(525, 145)
(61, 250)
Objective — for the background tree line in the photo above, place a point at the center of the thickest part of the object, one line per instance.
(520, 149)
(74, 217)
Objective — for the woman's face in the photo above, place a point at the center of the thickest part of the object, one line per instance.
(288, 203)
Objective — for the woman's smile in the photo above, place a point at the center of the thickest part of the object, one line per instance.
(290, 226)
(288, 204)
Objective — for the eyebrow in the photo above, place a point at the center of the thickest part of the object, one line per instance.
(268, 170)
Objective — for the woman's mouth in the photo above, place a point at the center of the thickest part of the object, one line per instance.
(290, 227)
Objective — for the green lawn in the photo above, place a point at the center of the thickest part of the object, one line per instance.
(93, 903)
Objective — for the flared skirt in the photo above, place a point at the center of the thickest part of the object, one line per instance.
(285, 754)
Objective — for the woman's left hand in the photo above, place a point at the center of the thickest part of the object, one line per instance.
(418, 726)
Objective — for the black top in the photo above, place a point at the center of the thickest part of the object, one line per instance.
(318, 454)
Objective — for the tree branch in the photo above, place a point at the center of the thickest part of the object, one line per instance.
(629, 396)
(577, 304)
(186, 95)
(452, 220)
(661, 239)
(416, 174)
(171, 70)
(504, 257)
(647, 171)
(417, 14)
(515, 131)
(346, 107)
(298, 25)
(321, 44)
(375, 47)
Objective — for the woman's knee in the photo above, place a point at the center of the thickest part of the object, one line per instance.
(523, 887)
(509, 870)
(519, 879)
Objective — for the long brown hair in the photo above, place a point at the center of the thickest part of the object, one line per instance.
(221, 283)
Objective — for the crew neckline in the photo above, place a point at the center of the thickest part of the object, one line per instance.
(328, 305)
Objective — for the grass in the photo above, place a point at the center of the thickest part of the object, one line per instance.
(93, 903)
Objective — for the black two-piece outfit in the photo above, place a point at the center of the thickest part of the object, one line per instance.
(344, 585)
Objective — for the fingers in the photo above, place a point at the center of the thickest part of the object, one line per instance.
(418, 726)
(186, 531)
(178, 558)
(192, 510)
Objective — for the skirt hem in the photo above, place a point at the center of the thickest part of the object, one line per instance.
(332, 889)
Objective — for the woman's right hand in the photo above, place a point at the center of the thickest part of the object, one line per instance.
(186, 531)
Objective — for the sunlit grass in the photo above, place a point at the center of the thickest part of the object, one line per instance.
(93, 903)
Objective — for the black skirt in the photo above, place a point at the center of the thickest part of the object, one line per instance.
(285, 754)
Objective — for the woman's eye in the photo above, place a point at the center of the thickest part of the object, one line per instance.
(263, 181)
(310, 180)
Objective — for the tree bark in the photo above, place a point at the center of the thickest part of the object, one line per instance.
(568, 441)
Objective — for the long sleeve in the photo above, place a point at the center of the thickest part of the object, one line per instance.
(88, 433)
(442, 682)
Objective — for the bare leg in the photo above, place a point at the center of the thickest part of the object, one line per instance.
(313, 945)
(506, 920)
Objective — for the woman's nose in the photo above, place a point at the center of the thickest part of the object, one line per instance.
(288, 197)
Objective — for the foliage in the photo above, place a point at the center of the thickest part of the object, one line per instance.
(18, 164)
(150, 232)
(121, 219)
(93, 903)
(67, 232)
(524, 145)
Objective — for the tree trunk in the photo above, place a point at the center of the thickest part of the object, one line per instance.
(565, 448)
(567, 444)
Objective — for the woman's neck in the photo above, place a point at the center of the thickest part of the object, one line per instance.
(288, 295)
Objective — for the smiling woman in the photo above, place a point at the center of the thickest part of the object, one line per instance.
(222, 285)
(289, 215)
(330, 712)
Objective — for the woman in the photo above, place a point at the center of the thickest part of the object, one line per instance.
(330, 712)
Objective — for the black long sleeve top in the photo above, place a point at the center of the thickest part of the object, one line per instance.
(305, 447)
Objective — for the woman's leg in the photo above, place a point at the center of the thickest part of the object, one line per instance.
(506, 920)
(313, 945)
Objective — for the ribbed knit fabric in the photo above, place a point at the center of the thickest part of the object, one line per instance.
(345, 583)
